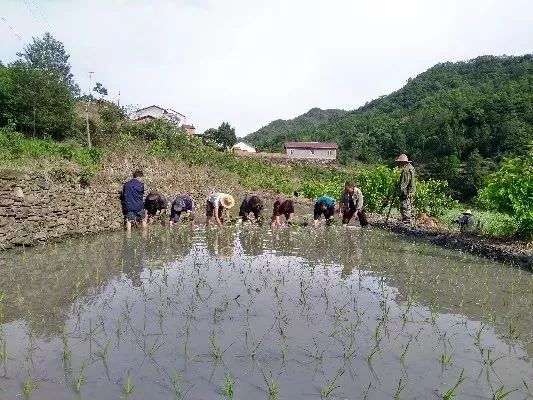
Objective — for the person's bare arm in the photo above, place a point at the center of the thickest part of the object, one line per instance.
(217, 216)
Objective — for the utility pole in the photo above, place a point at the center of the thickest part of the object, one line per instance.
(87, 110)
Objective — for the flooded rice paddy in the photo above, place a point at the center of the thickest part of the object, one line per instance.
(256, 314)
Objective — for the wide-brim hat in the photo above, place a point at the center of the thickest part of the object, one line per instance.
(467, 212)
(402, 158)
(227, 201)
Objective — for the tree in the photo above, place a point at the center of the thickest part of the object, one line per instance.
(224, 136)
(475, 173)
(49, 54)
(100, 89)
(37, 102)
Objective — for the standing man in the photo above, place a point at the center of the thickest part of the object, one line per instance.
(350, 204)
(406, 187)
(182, 204)
(251, 204)
(324, 205)
(216, 205)
(132, 201)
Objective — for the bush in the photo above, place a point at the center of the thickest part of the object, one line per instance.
(431, 199)
(14, 147)
(510, 190)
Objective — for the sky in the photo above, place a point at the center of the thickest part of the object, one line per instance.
(249, 62)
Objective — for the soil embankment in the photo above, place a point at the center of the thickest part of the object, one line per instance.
(514, 252)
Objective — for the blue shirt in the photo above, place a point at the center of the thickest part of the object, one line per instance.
(327, 200)
(132, 196)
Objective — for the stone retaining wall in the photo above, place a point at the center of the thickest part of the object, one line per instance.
(34, 209)
(51, 204)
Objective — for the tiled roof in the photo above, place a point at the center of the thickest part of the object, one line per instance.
(310, 145)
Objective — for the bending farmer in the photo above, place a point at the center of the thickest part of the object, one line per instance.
(182, 204)
(216, 205)
(324, 205)
(282, 206)
(351, 204)
(251, 204)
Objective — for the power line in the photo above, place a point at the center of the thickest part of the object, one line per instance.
(11, 28)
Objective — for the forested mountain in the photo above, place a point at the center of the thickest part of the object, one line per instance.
(450, 118)
(275, 133)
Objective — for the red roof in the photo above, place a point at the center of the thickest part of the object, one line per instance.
(188, 126)
(311, 145)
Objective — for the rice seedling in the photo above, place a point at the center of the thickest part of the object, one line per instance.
(512, 332)
(501, 394)
(128, 387)
(445, 359)
(67, 353)
(80, 379)
(405, 349)
(176, 384)
(227, 386)
(216, 352)
(330, 386)
(3, 355)
(27, 387)
(399, 389)
(451, 393)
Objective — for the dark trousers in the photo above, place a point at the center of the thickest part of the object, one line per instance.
(349, 214)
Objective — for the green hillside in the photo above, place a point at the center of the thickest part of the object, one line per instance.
(455, 119)
(272, 136)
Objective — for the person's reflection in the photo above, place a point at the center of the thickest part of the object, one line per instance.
(220, 243)
(133, 249)
(282, 242)
(251, 239)
(351, 245)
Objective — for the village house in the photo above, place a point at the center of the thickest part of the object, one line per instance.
(241, 146)
(311, 150)
(156, 112)
(190, 129)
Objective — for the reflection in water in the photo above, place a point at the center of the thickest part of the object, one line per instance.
(304, 307)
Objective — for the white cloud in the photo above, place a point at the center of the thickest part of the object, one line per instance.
(248, 62)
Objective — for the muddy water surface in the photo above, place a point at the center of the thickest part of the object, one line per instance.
(290, 314)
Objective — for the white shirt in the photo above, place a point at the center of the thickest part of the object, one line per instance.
(215, 199)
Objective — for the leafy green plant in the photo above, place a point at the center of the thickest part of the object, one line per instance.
(510, 190)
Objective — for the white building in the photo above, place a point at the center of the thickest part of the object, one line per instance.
(311, 150)
(156, 112)
(243, 147)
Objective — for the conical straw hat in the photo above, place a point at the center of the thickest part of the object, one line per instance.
(468, 212)
(402, 158)
(227, 201)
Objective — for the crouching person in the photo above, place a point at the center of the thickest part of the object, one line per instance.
(132, 201)
(466, 222)
(154, 203)
(251, 204)
(285, 207)
(324, 205)
(351, 204)
(182, 205)
(216, 206)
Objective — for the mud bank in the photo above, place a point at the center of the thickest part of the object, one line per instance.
(513, 252)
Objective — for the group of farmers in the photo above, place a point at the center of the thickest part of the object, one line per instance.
(137, 209)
